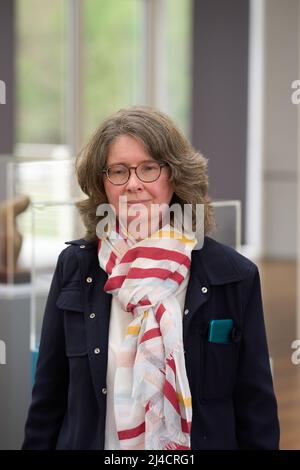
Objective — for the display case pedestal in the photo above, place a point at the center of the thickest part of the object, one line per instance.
(15, 374)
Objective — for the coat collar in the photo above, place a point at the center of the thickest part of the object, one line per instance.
(214, 263)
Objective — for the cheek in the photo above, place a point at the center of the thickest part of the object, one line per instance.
(163, 191)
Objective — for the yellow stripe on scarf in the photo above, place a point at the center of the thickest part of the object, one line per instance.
(164, 234)
(133, 330)
(185, 401)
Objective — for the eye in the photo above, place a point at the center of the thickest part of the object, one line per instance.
(149, 167)
(119, 170)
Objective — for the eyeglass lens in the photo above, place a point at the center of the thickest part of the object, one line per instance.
(146, 171)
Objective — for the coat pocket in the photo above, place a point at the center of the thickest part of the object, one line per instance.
(219, 363)
(70, 301)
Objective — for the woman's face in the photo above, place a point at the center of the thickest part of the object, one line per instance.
(131, 152)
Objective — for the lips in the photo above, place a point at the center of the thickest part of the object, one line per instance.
(137, 202)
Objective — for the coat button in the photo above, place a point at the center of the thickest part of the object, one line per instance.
(186, 311)
(89, 280)
(97, 351)
(104, 391)
(82, 246)
(92, 315)
(204, 290)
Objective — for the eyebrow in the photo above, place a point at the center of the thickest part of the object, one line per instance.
(128, 164)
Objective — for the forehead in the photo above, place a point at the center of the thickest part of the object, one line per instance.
(127, 149)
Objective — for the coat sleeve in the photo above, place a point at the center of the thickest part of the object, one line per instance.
(49, 395)
(257, 423)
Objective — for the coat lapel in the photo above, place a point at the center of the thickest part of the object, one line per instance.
(198, 291)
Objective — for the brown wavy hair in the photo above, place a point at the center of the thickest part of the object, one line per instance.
(163, 141)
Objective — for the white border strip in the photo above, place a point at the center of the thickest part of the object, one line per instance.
(255, 143)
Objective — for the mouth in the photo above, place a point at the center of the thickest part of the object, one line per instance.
(138, 202)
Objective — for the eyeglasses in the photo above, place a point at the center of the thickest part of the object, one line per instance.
(147, 172)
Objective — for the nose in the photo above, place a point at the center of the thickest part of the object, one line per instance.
(133, 184)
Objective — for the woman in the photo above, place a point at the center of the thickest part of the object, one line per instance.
(146, 342)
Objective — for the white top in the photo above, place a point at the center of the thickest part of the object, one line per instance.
(119, 321)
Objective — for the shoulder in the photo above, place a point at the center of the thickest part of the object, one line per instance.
(68, 260)
(78, 246)
(223, 263)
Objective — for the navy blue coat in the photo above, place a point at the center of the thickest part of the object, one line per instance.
(234, 406)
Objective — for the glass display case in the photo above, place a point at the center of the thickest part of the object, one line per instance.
(31, 235)
(28, 183)
(48, 219)
(228, 218)
(39, 216)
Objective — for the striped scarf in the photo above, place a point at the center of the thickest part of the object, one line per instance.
(152, 399)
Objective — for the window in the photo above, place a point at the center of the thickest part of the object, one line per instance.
(40, 69)
(112, 58)
(112, 53)
(179, 57)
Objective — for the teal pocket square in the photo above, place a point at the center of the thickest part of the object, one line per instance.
(220, 331)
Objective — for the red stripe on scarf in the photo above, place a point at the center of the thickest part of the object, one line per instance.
(155, 253)
(175, 446)
(170, 394)
(185, 425)
(153, 333)
(142, 273)
(159, 312)
(133, 432)
(142, 302)
(130, 307)
(111, 262)
(113, 283)
(171, 363)
(177, 277)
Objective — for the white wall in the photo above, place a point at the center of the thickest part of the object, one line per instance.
(279, 208)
